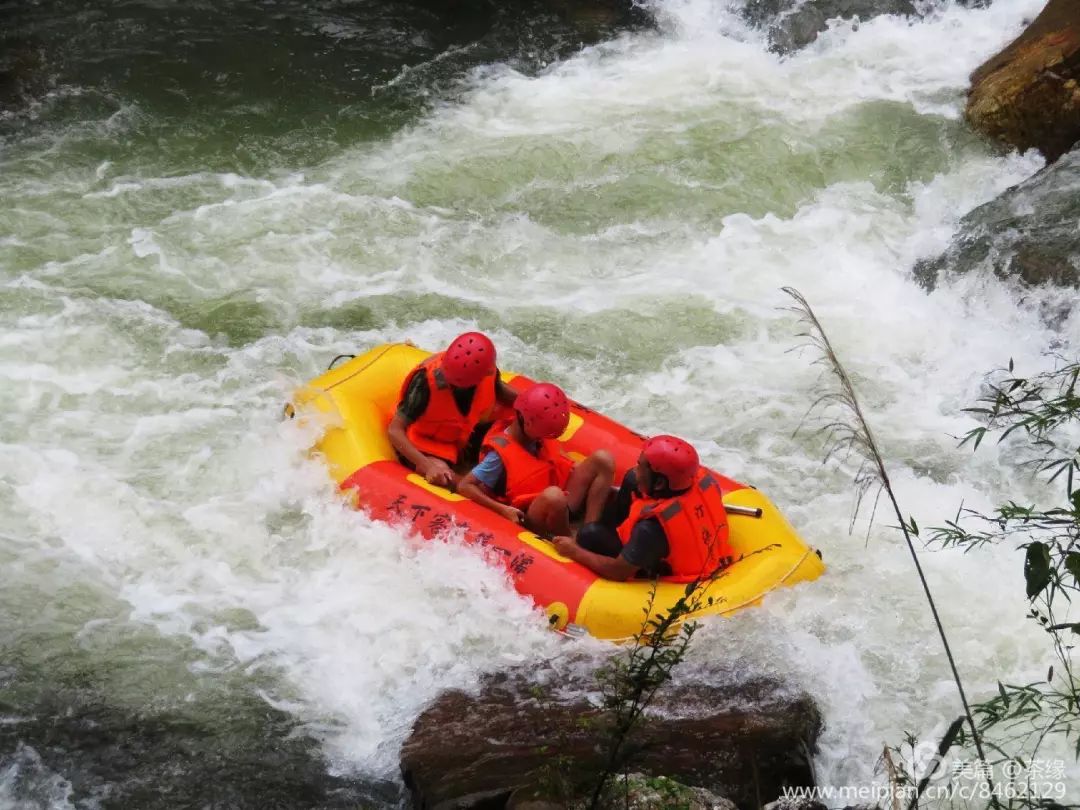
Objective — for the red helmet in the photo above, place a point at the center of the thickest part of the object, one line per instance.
(672, 458)
(544, 409)
(469, 359)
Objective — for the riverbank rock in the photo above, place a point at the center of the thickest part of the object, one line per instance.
(242, 753)
(793, 24)
(1029, 232)
(1027, 96)
(520, 743)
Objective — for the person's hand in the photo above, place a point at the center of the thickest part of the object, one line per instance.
(565, 546)
(438, 473)
(513, 515)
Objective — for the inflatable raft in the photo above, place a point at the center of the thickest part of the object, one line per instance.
(356, 401)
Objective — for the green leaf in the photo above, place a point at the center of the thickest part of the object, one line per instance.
(914, 526)
(1004, 695)
(1072, 565)
(1037, 571)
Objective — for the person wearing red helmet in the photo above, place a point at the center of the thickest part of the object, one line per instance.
(446, 403)
(668, 519)
(524, 475)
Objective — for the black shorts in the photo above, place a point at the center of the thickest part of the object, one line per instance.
(599, 538)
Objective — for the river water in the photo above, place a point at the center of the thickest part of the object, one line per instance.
(203, 203)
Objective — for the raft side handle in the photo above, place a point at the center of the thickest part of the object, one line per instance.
(339, 357)
(746, 511)
(370, 363)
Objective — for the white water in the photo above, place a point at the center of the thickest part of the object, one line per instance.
(621, 224)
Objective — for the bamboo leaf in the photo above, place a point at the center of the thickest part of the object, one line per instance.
(1072, 565)
(1037, 569)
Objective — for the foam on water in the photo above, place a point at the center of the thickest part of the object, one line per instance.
(27, 784)
(621, 223)
(227, 534)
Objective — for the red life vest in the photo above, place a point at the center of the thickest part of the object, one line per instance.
(695, 523)
(528, 475)
(443, 430)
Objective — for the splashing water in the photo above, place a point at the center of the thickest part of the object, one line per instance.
(173, 264)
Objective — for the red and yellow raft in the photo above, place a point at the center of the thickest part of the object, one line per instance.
(356, 401)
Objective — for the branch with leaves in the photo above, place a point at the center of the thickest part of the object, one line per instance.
(1039, 417)
(630, 680)
(847, 432)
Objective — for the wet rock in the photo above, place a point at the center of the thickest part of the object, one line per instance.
(22, 73)
(170, 756)
(517, 743)
(793, 24)
(1030, 232)
(641, 792)
(803, 804)
(1028, 96)
(595, 18)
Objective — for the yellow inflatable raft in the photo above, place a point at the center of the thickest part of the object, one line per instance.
(356, 400)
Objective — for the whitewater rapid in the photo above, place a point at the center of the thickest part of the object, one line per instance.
(621, 223)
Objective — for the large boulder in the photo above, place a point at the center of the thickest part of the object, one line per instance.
(1027, 95)
(1030, 232)
(793, 24)
(742, 741)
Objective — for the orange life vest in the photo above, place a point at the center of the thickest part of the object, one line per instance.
(528, 475)
(443, 430)
(695, 523)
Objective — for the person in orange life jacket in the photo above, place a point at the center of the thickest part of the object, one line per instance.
(666, 520)
(526, 478)
(446, 401)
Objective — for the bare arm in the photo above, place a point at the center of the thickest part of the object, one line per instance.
(401, 442)
(470, 487)
(613, 568)
(435, 470)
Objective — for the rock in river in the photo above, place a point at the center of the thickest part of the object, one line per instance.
(743, 741)
(1027, 95)
(1030, 232)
